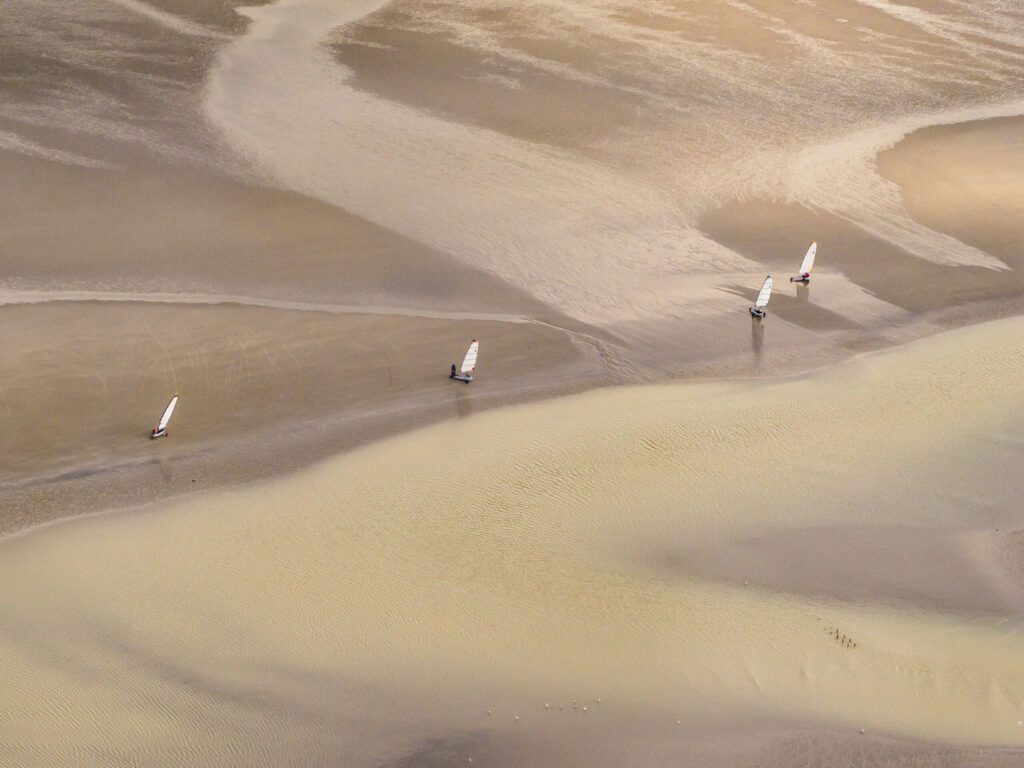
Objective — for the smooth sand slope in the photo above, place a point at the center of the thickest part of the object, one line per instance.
(378, 605)
(967, 181)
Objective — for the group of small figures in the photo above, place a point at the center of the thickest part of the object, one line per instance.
(846, 642)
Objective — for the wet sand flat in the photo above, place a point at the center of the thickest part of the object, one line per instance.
(159, 229)
(84, 382)
(859, 277)
(964, 181)
(373, 608)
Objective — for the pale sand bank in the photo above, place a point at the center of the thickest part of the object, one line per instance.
(967, 181)
(69, 228)
(374, 606)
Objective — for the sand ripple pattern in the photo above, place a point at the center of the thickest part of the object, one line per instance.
(729, 101)
(369, 605)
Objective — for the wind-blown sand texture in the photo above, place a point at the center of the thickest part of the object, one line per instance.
(297, 213)
(382, 602)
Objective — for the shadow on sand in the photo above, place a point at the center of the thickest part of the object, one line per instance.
(756, 338)
(463, 400)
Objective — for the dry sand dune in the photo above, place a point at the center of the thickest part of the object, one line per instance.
(374, 608)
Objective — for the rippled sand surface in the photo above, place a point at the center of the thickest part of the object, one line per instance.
(577, 144)
(379, 604)
(731, 574)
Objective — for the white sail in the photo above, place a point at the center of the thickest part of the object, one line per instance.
(166, 418)
(808, 262)
(469, 364)
(765, 294)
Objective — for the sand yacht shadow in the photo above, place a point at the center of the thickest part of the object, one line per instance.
(797, 310)
(463, 400)
(756, 338)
